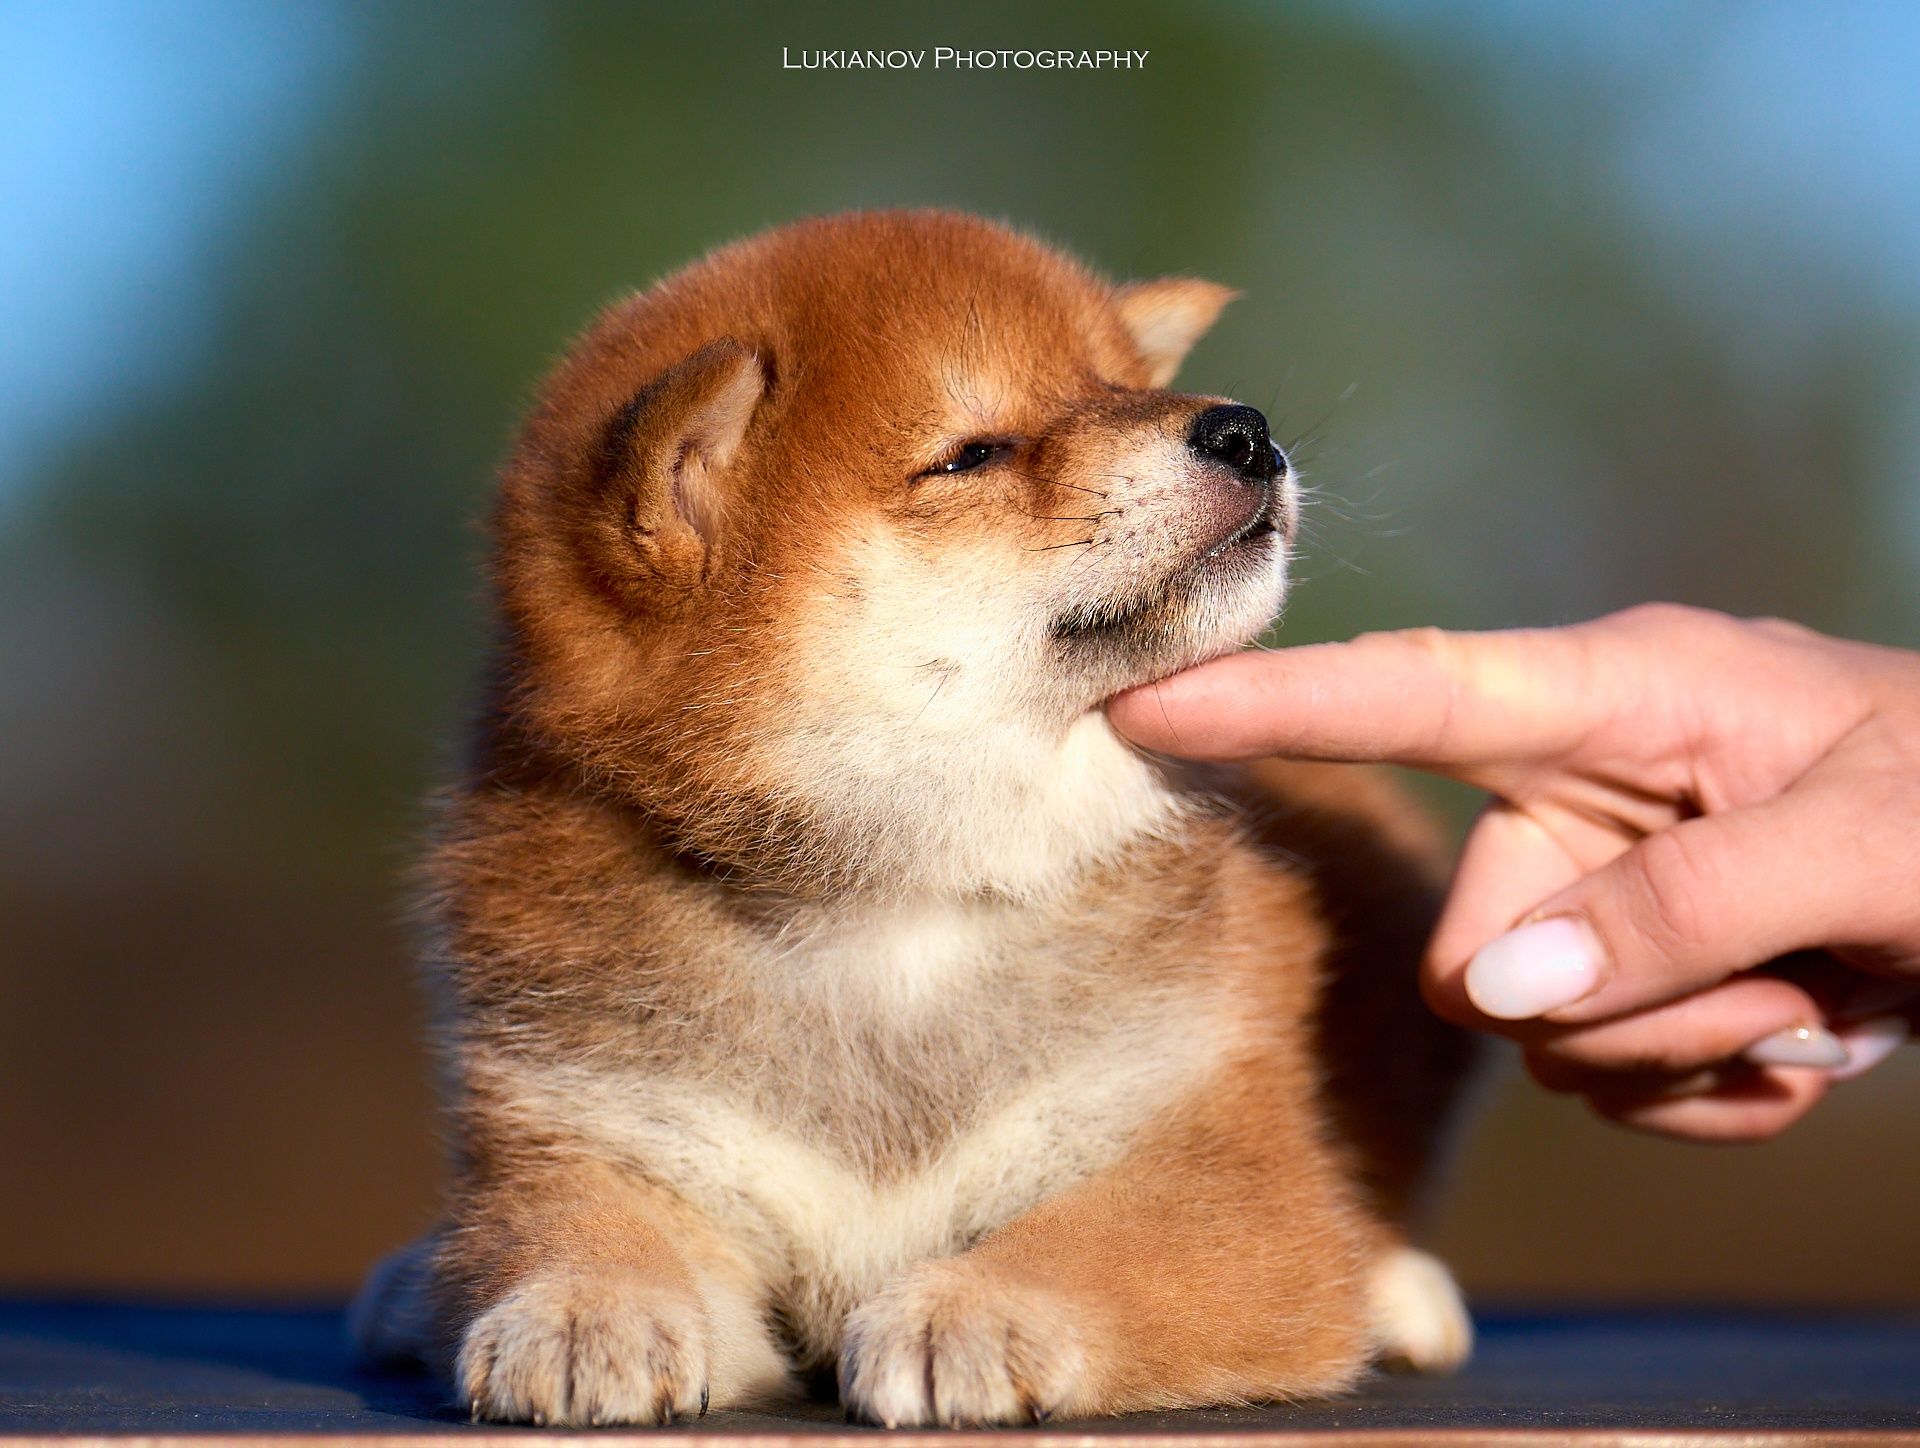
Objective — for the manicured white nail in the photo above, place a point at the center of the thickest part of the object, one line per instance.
(1798, 1046)
(1870, 1042)
(1535, 969)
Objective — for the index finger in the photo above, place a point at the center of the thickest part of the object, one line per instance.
(1448, 702)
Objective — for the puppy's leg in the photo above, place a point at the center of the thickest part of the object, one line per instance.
(1224, 1261)
(580, 1296)
(391, 1319)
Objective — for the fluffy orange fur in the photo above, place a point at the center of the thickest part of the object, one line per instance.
(824, 987)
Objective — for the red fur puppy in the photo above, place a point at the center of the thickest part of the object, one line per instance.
(826, 987)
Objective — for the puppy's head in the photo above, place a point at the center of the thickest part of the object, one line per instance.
(827, 549)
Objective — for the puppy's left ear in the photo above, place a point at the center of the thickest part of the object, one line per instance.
(1167, 316)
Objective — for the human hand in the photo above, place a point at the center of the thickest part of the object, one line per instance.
(1694, 898)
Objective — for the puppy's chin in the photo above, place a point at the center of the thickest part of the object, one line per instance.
(1249, 586)
(1212, 607)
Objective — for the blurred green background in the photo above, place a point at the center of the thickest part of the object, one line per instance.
(1567, 307)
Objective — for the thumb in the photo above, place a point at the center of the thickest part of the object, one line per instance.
(1680, 911)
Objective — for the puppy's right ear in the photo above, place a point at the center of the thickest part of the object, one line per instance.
(665, 455)
(1167, 316)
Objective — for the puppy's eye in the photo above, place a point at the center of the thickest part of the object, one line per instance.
(969, 456)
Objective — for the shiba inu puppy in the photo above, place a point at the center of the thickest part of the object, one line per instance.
(827, 989)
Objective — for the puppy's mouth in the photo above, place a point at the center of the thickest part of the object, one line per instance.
(1261, 523)
(1146, 617)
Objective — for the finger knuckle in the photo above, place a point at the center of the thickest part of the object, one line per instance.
(1428, 644)
(1668, 618)
(1437, 655)
(1679, 884)
(1783, 629)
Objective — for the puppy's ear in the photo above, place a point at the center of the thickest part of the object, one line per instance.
(1167, 316)
(665, 453)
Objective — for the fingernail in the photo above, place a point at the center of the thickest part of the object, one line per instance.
(1535, 969)
(1798, 1046)
(1870, 1042)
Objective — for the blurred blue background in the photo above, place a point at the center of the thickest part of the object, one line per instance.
(1567, 306)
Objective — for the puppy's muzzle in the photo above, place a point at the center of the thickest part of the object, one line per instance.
(1235, 437)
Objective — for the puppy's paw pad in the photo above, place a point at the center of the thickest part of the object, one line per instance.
(583, 1349)
(953, 1344)
(1420, 1321)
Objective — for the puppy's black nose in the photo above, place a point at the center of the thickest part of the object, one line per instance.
(1237, 436)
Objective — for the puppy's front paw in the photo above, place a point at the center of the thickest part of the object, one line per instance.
(583, 1348)
(1420, 1321)
(960, 1344)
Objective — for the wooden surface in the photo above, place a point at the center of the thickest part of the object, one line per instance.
(159, 1372)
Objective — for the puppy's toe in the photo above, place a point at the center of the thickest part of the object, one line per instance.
(952, 1343)
(583, 1349)
(1420, 1322)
